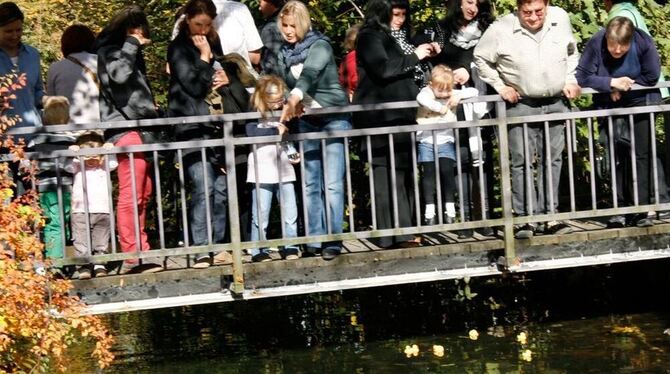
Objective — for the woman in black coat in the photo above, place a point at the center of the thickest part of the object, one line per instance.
(386, 74)
(193, 74)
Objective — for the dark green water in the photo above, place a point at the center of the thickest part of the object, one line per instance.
(607, 319)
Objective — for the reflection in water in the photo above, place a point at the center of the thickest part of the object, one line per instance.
(596, 319)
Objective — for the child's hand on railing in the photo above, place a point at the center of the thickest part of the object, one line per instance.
(282, 129)
(108, 146)
(74, 148)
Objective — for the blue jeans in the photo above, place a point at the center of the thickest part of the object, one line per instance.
(427, 154)
(288, 204)
(521, 194)
(334, 180)
(217, 191)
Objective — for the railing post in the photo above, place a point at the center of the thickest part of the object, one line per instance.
(237, 286)
(508, 217)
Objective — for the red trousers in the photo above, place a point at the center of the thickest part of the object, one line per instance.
(125, 208)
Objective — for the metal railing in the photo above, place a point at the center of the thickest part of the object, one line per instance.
(360, 220)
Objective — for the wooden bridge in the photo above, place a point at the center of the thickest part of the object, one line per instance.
(442, 254)
(362, 265)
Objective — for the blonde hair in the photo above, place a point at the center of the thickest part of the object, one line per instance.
(442, 77)
(300, 15)
(56, 110)
(266, 86)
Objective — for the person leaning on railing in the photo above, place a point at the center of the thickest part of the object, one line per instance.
(308, 68)
(125, 95)
(507, 59)
(614, 59)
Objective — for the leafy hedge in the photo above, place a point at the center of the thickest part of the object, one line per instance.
(46, 19)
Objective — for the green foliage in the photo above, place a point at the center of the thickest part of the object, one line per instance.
(45, 20)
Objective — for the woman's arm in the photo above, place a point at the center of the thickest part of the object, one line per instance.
(650, 61)
(120, 63)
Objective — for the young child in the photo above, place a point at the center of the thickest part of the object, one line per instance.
(51, 175)
(437, 102)
(348, 75)
(265, 175)
(91, 198)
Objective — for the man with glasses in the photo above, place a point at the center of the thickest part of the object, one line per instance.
(529, 57)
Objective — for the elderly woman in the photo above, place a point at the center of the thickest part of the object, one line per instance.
(613, 60)
(309, 69)
(386, 74)
(17, 57)
(125, 95)
(75, 76)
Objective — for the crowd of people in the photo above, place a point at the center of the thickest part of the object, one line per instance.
(529, 57)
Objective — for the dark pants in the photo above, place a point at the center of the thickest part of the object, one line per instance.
(383, 189)
(447, 181)
(472, 183)
(530, 193)
(624, 165)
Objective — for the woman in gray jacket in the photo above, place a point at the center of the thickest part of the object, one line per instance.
(125, 95)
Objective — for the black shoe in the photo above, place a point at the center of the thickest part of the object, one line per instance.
(100, 272)
(147, 268)
(430, 221)
(524, 231)
(261, 257)
(485, 231)
(202, 262)
(540, 228)
(465, 233)
(291, 253)
(449, 220)
(330, 253)
(311, 252)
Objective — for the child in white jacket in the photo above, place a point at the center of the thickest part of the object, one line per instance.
(437, 103)
(270, 169)
(91, 197)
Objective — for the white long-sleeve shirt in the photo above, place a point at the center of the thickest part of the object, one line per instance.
(430, 111)
(96, 186)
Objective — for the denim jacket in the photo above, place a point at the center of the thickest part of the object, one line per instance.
(28, 99)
